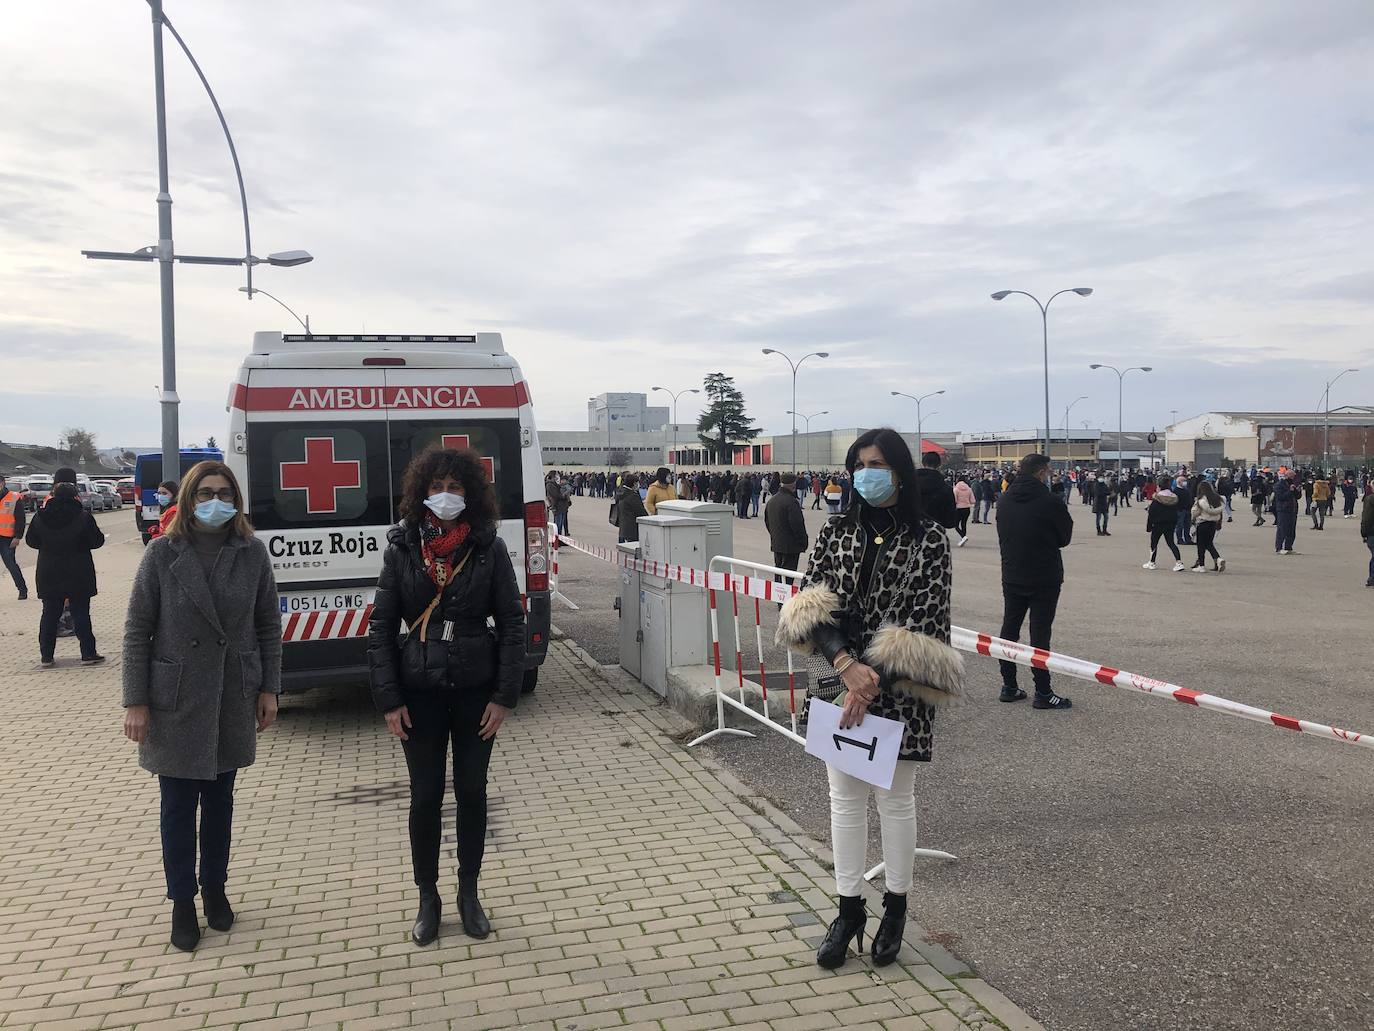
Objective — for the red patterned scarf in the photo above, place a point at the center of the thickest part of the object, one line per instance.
(439, 546)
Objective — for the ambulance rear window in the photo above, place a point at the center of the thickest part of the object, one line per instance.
(496, 442)
(307, 475)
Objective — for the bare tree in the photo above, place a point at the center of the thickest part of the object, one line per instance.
(79, 444)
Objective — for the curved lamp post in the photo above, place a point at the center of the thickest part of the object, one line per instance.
(1081, 291)
(807, 419)
(688, 390)
(918, 400)
(1326, 420)
(795, 366)
(1120, 382)
(163, 251)
(1068, 448)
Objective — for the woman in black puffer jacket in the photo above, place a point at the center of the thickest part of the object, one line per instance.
(446, 573)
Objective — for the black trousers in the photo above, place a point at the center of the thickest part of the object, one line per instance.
(1101, 521)
(1206, 541)
(81, 623)
(180, 797)
(962, 524)
(1158, 534)
(1041, 603)
(11, 561)
(438, 717)
(786, 560)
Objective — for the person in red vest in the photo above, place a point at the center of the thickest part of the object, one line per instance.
(11, 533)
(167, 500)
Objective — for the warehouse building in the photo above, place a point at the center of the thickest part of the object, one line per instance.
(1273, 439)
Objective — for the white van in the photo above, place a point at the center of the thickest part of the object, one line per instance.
(321, 430)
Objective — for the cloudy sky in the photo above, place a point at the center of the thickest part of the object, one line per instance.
(638, 192)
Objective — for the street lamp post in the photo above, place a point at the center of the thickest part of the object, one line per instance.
(688, 390)
(807, 419)
(1326, 419)
(1120, 389)
(163, 251)
(1068, 448)
(1081, 291)
(795, 366)
(918, 400)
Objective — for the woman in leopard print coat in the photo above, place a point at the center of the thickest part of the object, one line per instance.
(876, 604)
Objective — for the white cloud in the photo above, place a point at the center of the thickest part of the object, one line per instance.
(640, 192)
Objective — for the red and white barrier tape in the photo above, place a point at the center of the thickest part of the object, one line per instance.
(985, 644)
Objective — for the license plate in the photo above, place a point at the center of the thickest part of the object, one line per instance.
(326, 601)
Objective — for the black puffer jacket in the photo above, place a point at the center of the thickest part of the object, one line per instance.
(64, 535)
(1032, 525)
(478, 658)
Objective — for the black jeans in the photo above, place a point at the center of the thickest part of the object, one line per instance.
(961, 524)
(1158, 534)
(11, 561)
(438, 717)
(1206, 541)
(180, 796)
(81, 623)
(786, 560)
(1041, 603)
(1287, 532)
(1101, 522)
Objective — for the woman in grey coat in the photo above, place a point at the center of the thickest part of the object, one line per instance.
(202, 671)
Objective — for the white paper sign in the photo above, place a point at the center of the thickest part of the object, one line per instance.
(868, 751)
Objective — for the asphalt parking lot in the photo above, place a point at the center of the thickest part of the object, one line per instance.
(1134, 863)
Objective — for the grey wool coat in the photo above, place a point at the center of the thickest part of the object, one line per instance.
(198, 657)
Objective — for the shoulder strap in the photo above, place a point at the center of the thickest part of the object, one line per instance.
(423, 622)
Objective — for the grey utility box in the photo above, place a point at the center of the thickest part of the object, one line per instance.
(672, 614)
(720, 540)
(628, 605)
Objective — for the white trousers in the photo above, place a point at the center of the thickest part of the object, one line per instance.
(849, 828)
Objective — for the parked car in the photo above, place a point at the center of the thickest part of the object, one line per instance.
(127, 489)
(39, 489)
(91, 499)
(111, 496)
(20, 485)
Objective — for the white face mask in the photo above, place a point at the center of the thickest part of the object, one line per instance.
(446, 506)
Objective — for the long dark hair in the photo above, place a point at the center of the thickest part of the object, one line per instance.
(436, 463)
(898, 457)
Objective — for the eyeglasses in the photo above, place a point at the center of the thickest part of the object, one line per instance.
(223, 494)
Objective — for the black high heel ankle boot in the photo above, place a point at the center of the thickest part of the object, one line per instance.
(185, 925)
(475, 923)
(848, 925)
(887, 941)
(426, 927)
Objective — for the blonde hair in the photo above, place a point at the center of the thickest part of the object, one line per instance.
(183, 522)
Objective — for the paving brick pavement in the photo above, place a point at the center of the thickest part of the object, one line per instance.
(631, 884)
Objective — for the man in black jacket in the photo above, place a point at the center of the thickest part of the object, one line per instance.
(629, 507)
(786, 524)
(1031, 528)
(937, 496)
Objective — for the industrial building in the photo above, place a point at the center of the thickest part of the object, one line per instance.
(1345, 436)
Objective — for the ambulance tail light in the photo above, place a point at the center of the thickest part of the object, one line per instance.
(536, 547)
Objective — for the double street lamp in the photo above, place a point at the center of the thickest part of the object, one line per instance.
(918, 400)
(164, 253)
(675, 396)
(795, 366)
(1120, 388)
(807, 419)
(1326, 419)
(1081, 291)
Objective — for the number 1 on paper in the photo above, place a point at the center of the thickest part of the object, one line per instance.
(868, 751)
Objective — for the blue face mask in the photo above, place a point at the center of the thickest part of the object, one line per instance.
(164, 499)
(215, 513)
(875, 486)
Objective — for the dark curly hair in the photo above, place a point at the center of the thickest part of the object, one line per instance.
(436, 463)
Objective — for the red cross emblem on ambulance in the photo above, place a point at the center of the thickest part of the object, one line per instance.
(462, 442)
(321, 476)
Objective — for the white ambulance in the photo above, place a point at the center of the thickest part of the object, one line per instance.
(321, 430)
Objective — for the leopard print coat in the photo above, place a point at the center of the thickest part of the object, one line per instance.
(902, 624)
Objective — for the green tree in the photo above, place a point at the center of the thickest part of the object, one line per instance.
(210, 442)
(724, 420)
(79, 444)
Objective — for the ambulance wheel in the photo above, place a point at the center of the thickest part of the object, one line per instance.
(531, 681)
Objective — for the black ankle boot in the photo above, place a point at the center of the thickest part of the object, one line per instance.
(185, 925)
(475, 923)
(887, 942)
(849, 924)
(426, 927)
(218, 913)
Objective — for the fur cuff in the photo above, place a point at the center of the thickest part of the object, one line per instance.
(917, 664)
(802, 615)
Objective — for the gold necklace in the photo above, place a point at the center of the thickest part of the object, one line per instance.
(878, 537)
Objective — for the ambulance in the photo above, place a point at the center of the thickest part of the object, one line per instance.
(321, 430)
